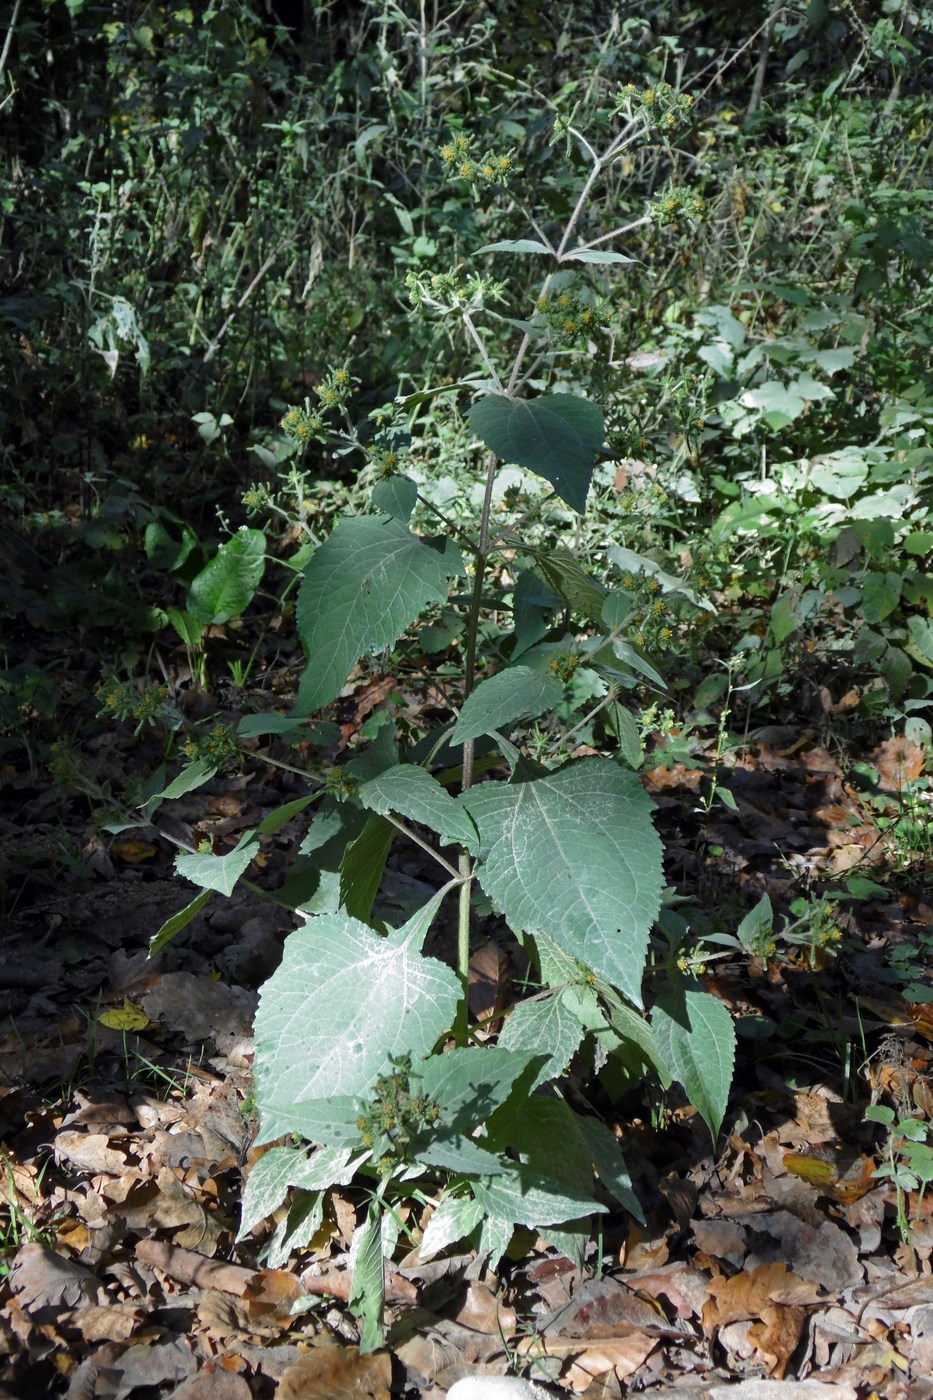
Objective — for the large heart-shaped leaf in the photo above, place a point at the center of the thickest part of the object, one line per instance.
(370, 579)
(342, 1002)
(557, 436)
(575, 856)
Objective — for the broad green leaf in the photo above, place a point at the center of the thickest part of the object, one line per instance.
(544, 1025)
(617, 607)
(164, 552)
(342, 1002)
(188, 627)
(514, 694)
(757, 925)
(778, 404)
(370, 579)
(283, 1167)
(219, 872)
(409, 791)
(784, 617)
(527, 1197)
(330, 1122)
(625, 727)
(595, 255)
(177, 922)
(697, 1038)
(396, 496)
(288, 727)
(634, 563)
(516, 245)
(454, 1219)
(302, 1222)
(362, 866)
(458, 1153)
(192, 776)
(532, 1127)
(367, 1294)
(557, 436)
(534, 603)
(226, 585)
(575, 855)
(470, 1083)
(496, 1234)
(570, 580)
(609, 1162)
(280, 815)
(881, 594)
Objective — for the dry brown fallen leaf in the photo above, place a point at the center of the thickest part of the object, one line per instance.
(185, 1266)
(745, 1295)
(212, 1384)
(89, 1152)
(42, 1279)
(592, 1359)
(337, 1373)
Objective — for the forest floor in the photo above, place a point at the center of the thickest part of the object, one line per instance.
(780, 1257)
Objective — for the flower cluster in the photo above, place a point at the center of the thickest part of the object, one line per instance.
(217, 745)
(677, 206)
(567, 314)
(398, 1112)
(342, 784)
(652, 617)
(564, 666)
(126, 700)
(660, 106)
(461, 163)
(452, 290)
(302, 424)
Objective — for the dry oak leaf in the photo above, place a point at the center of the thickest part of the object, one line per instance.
(898, 761)
(777, 1336)
(211, 1384)
(89, 1152)
(337, 1373)
(591, 1359)
(482, 1311)
(110, 1322)
(748, 1295)
(42, 1279)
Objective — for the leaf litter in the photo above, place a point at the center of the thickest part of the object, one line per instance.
(774, 1267)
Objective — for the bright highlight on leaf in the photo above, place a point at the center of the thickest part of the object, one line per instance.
(128, 1017)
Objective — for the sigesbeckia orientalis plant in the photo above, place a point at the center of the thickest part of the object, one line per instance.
(365, 1060)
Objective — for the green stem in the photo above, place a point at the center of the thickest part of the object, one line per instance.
(464, 863)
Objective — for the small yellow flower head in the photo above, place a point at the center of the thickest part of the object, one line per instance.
(570, 325)
(542, 303)
(628, 581)
(341, 376)
(447, 152)
(489, 170)
(505, 163)
(654, 585)
(639, 639)
(586, 316)
(666, 634)
(657, 607)
(564, 299)
(647, 97)
(328, 396)
(461, 144)
(302, 431)
(466, 170)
